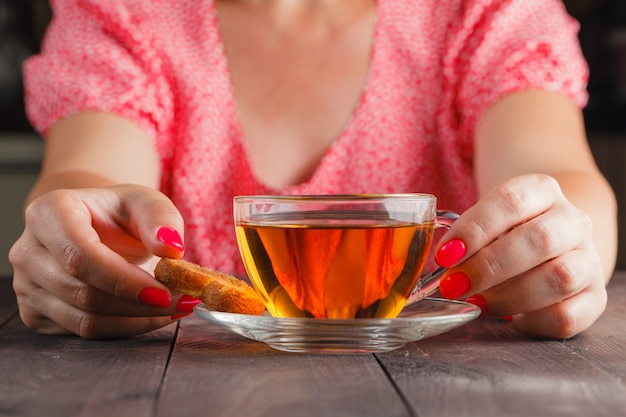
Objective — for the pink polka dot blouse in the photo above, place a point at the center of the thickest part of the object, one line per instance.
(436, 66)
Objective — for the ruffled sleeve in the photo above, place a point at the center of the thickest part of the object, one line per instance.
(98, 55)
(500, 47)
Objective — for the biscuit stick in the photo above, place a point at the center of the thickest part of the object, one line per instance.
(218, 291)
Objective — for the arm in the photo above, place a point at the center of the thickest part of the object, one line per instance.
(540, 244)
(542, 132)
(96, 150)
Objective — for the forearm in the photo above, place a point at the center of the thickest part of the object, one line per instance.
(67, 180)
(91, 150)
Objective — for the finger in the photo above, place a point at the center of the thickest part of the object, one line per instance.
(41, 324)
(60, 318)
(78, 294)
(32, 316)
(74, 243)
(155, 220)
(502, 209)
(539, 240)
(137, 220)
(549, 284)
(565, 319)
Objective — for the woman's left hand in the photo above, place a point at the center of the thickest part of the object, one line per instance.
(524, 251)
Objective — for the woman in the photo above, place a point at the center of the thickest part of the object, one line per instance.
(155, 114)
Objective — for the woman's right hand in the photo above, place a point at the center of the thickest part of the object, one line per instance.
(79, 264)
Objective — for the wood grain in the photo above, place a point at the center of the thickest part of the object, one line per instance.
(486, 368)
(67, 376)
(217, 373)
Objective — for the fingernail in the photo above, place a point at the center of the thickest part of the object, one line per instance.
(155, 297)
(508, 318)
(186, 303)
(450, 253)
(171, 237)
(479, 301)
(454, 285)
(179, 316)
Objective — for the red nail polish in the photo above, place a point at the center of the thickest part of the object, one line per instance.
(171, 237)
(155, 297)
(179, 316)
(479, 301)
(450, 253)
(508, 318)
(454, 285)
(186, 303)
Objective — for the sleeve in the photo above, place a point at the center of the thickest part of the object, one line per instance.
(503, 46)
(97, 56)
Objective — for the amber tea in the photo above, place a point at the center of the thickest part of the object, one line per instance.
(339, 256)
(322, 267)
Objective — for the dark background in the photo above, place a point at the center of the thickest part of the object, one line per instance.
(602, 36)
(22, 24)
(603, 40)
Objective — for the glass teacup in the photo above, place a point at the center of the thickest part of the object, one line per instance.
(339, 256)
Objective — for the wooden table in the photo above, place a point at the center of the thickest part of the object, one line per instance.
(484, 368)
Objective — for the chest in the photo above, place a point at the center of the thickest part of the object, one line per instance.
(295, 84)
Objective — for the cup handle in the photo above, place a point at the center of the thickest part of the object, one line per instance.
(429, 283)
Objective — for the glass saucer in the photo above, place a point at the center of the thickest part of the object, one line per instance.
(426, 318)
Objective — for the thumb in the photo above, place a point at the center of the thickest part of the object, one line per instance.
(155, 219)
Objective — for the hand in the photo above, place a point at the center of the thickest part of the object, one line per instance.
(77, 264)
(525, 251)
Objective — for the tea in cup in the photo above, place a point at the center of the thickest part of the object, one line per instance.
(339, 256)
